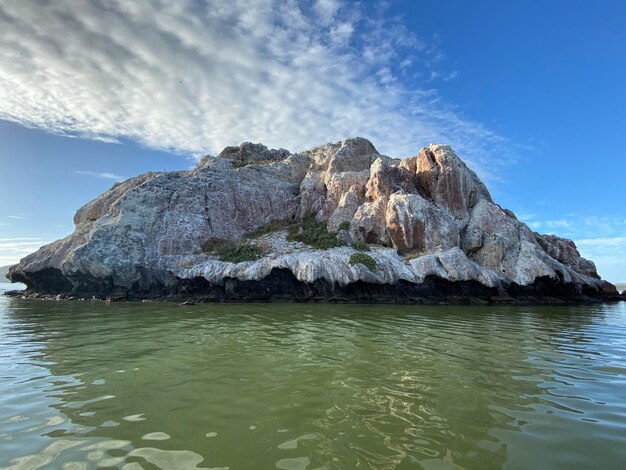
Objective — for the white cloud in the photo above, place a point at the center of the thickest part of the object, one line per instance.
(559, 227)
(452, 75)
(13, 249)
(7, 261)
(109, 176)
(21, 246)
(196, 76)
(326, 9)
(610, 243)
(608, 253)
(561, 223)
(17, 217)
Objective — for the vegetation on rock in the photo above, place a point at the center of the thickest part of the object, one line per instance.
(241, 253)
(242, 163)
(360, 246)
(412, 255)
(271, 226)
(345, 225)
(314, 233)
(215, 244)
(308, 230)
(362, 258)
(232, 252)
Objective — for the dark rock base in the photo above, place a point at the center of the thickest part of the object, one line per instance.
(282, 286)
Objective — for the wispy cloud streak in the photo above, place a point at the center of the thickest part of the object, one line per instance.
(12, 249)
(109, 176)
(611, 242)
(195, 76)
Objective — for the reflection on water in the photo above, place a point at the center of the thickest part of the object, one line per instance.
(152, 385)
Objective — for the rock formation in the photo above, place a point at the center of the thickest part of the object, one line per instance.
(431, 225)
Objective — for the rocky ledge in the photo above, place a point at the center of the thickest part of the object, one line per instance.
(339, 222)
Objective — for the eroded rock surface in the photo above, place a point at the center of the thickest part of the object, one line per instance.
(433, 229)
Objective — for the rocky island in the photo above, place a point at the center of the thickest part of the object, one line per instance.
(339, 222)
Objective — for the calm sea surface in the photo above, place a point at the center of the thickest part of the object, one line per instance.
(294, 387)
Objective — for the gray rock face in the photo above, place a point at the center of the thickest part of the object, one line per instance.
(425, 217)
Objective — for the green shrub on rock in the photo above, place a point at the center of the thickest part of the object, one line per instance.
(241, 253)
(314, 233)
(231, 251)
(360, 246)
(345, 225)
(269, 227)
(215, 244)
(362, 258)
(242, 163)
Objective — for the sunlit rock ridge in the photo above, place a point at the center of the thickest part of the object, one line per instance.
(431, 226)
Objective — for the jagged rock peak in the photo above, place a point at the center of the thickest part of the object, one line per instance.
(354, 154)
(447, 179)
(247, 152)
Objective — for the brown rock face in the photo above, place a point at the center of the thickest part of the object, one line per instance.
(386, 178)
(369, 223)
(416, 225)
(432, 193)
(448, 181)
(334, 170)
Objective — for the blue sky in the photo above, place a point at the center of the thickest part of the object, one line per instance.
(530, 94)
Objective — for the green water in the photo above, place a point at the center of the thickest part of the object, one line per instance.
(153, 385)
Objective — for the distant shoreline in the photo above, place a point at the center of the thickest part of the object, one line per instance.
(4, 273)
(6, 285)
